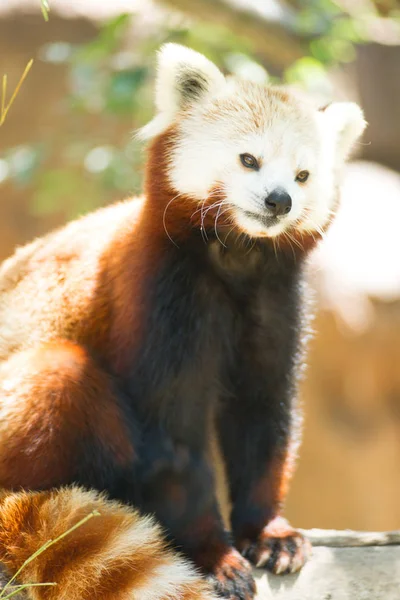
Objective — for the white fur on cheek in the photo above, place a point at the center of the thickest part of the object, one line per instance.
(320, 193)
(204, 156)
(197, 165)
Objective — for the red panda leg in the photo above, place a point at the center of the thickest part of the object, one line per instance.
(177, 486)
(259, 428)
(60, 421)
(258, 481)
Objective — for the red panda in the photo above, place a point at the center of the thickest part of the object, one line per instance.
(123, 334)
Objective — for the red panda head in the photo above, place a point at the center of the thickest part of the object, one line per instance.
(264, 160)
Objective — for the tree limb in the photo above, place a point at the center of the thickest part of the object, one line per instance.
(275, 44)
(367, 573)
(347, 538)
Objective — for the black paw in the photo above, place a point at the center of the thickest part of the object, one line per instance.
(232, 577)
(279, 548)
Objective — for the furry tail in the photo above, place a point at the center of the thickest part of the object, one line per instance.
(119, 555)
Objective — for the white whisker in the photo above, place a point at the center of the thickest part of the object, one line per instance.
(216, 222)
(274, 245)
(284, 233)
(230, 231)
(164, 215)
(295, 241)
(252, 244)
(202, 229)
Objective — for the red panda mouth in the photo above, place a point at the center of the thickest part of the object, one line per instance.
(265, 220)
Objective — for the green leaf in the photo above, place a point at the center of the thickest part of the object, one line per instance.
(306, 71)
(122, 88)
(107, 41)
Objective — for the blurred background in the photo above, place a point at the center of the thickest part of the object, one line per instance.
(66, 147)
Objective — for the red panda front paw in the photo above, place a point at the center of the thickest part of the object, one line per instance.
(232, 577)
(279, 548)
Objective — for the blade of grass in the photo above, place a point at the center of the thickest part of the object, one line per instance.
(43, 548)
(45, 9)
(4, 108)
(20, 588)
(3, 95)
(21, 585)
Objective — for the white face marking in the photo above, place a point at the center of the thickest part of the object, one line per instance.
(218, 119)
(208, 154)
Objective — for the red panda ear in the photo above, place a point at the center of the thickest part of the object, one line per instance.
(184, 77)
(344, 123)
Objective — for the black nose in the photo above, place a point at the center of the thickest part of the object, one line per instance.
(278, 202)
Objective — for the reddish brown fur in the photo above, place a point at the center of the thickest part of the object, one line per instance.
(162, 218)
(74, 304)
(272, 487)
(129, 238)
(186, 213)
(58, 396)
(101, 560)
(58, 393)
(53, 393)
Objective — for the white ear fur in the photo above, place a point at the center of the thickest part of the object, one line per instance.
(184, 77)
(344, 122)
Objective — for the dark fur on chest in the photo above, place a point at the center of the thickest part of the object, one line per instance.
(221, 340)
(211, 307)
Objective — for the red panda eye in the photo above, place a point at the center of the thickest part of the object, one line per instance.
(249, 161)
(302, 176)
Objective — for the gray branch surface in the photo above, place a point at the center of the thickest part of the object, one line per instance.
(345, 565)
(349, 538)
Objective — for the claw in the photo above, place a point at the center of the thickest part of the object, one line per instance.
(280, 548)
(264, 557)
(282, 563)
(232, 577)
